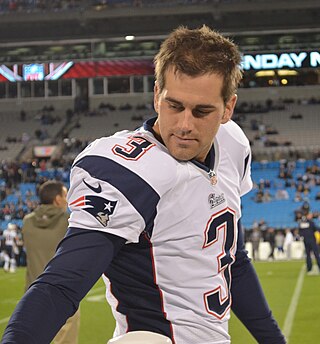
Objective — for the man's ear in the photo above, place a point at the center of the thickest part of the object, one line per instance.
(56, 200)
(156, 94)
(228, 111)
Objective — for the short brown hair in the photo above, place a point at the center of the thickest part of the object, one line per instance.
(49, 190)
(198, 52)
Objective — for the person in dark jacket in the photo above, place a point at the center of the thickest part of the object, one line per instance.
(270, 237)
(307, 229)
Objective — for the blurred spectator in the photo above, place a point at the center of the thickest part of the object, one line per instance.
(255, 238)
(270, 237)
(259, 196)
(267, 196)
(263, 225)
(307, 229)
(281, 194)
(297, 197)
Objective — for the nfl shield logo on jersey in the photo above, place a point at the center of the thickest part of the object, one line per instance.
(99, 207)
(215, 200)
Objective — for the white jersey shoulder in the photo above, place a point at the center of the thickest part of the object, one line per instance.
(237, 140)
(234, 155)
(116, 182)
(139, 152)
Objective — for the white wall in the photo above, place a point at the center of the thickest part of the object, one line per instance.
(297, 251)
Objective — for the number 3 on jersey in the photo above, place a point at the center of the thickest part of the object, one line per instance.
(220, 230)
(134, 148)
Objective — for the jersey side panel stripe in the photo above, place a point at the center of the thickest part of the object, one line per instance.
(137, 260)
(245, 165)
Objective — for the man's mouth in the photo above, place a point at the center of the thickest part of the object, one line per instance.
(183, 139)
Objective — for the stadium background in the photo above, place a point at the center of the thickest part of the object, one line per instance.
(72, 71)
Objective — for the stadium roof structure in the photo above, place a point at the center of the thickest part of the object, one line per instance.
(96, 30)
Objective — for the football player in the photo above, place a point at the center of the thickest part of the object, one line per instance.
(157, 212)
(10, 246)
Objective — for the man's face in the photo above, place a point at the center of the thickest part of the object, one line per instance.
(190, 111)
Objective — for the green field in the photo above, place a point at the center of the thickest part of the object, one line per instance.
(293, 297)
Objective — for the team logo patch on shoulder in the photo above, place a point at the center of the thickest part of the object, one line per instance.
(215, 200)
(100, 208)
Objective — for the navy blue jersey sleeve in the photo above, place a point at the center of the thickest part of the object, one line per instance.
(81, 258)
(248, 301)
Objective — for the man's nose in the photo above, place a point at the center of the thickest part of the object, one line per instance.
(186, 120)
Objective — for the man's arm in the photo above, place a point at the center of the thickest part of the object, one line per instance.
(82, 257)
(248, 300)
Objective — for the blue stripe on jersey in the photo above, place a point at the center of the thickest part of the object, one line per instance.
(139, 193)
(133, 284)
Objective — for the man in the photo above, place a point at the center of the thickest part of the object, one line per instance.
(10, 236)
(271, 238)
(157, 210)
(42, 231)
(307, 230)
(255, 239)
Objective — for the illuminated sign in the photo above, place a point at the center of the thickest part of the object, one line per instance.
(35, 71)
(43, 151)
(283, 60)
(92, 69)
(82, 69)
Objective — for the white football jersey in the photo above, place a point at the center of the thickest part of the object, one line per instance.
(173, 274)
(9, 237)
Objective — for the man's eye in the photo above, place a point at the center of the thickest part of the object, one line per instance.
(175, 107)
(199, 113)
